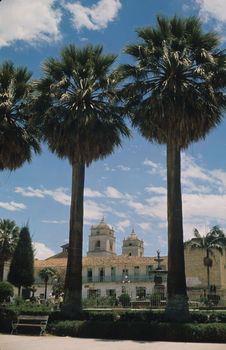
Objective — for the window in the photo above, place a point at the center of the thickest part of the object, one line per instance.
(112, 274)
(141, 292)
(97, 245)
(111, 246)
(149, 270)
(101, 274)
(125, 273)
(136, 272)
(111, 292)
(93, 293)
(89, 275)
(130, 254)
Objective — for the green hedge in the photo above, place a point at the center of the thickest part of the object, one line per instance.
(155, 331)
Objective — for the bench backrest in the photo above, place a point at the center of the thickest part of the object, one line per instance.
(33, 317)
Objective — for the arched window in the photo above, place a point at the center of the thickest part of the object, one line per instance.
(97, 245)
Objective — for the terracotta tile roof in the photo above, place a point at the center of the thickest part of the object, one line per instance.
(100, 261)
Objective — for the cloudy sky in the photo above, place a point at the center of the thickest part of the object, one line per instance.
(128, 188)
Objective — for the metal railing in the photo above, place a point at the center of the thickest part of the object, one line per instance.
(136, 278)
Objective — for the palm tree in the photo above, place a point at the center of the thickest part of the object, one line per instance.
(17, 136)
(47, 273)
(80, 121)
(9, 235)
(175, 98)
(213, 240)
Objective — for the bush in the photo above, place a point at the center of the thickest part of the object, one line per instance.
(6, 291)
(155, 299)
(154, 331)
(124, 299)
(6, 317)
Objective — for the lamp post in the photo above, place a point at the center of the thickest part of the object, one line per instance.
(126, 281)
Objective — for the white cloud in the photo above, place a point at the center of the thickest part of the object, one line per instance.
(123, 168)
(121, 225)
(92, 211)
(41, 251)
(54, 221)
(12, 206)
(30, 21)
(156, 168)
(29, 192)
(212, 9)
(214, 12)
(95, 17)
(112, 192)
(150, 163)
(90, 193)
(59, 194)
(157, 190)
(146, 226)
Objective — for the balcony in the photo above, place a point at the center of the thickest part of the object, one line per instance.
(119, 279)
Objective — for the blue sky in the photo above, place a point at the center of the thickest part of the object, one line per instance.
(128, 188)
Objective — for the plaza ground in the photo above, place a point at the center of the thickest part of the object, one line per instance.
(48, 342)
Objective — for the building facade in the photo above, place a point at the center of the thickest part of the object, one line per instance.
(105, 274)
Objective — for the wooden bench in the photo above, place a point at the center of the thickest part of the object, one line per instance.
(30, 321)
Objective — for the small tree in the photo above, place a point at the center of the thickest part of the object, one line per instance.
(124, 299)
(214, 240)
(6, 291)
(58, 283)
(21, 271)
(46, 273)
(9, 234)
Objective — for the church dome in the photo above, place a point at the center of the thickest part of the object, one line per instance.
(103, 224)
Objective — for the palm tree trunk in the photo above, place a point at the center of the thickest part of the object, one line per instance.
(177, 301)
(73, 280)
(208, 273)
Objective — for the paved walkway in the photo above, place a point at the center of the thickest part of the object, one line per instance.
(48, 342)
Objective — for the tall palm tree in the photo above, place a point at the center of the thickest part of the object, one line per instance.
(9, 235)
(17, 136)
(47, 273)
(80, 121)
(214, 240)
(175, 98)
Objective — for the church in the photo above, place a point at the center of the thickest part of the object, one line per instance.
(105, 273)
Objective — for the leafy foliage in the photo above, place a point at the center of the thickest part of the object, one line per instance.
(80, 119)
(6, 291)
(78, 113)
(9, 234)
(18, 138)
(177, 94)
(174, 95)
(47, 273)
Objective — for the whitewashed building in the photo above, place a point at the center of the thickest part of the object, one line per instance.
(106, 274)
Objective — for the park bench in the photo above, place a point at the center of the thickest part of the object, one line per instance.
(30, 321)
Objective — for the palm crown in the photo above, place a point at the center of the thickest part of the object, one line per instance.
(179, 79)
(81, 119)
(214, 239)
(17, 137)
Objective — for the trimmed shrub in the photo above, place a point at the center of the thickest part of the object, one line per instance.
(124, 299)
(6, 291)
(6, 317)
(154, 331)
